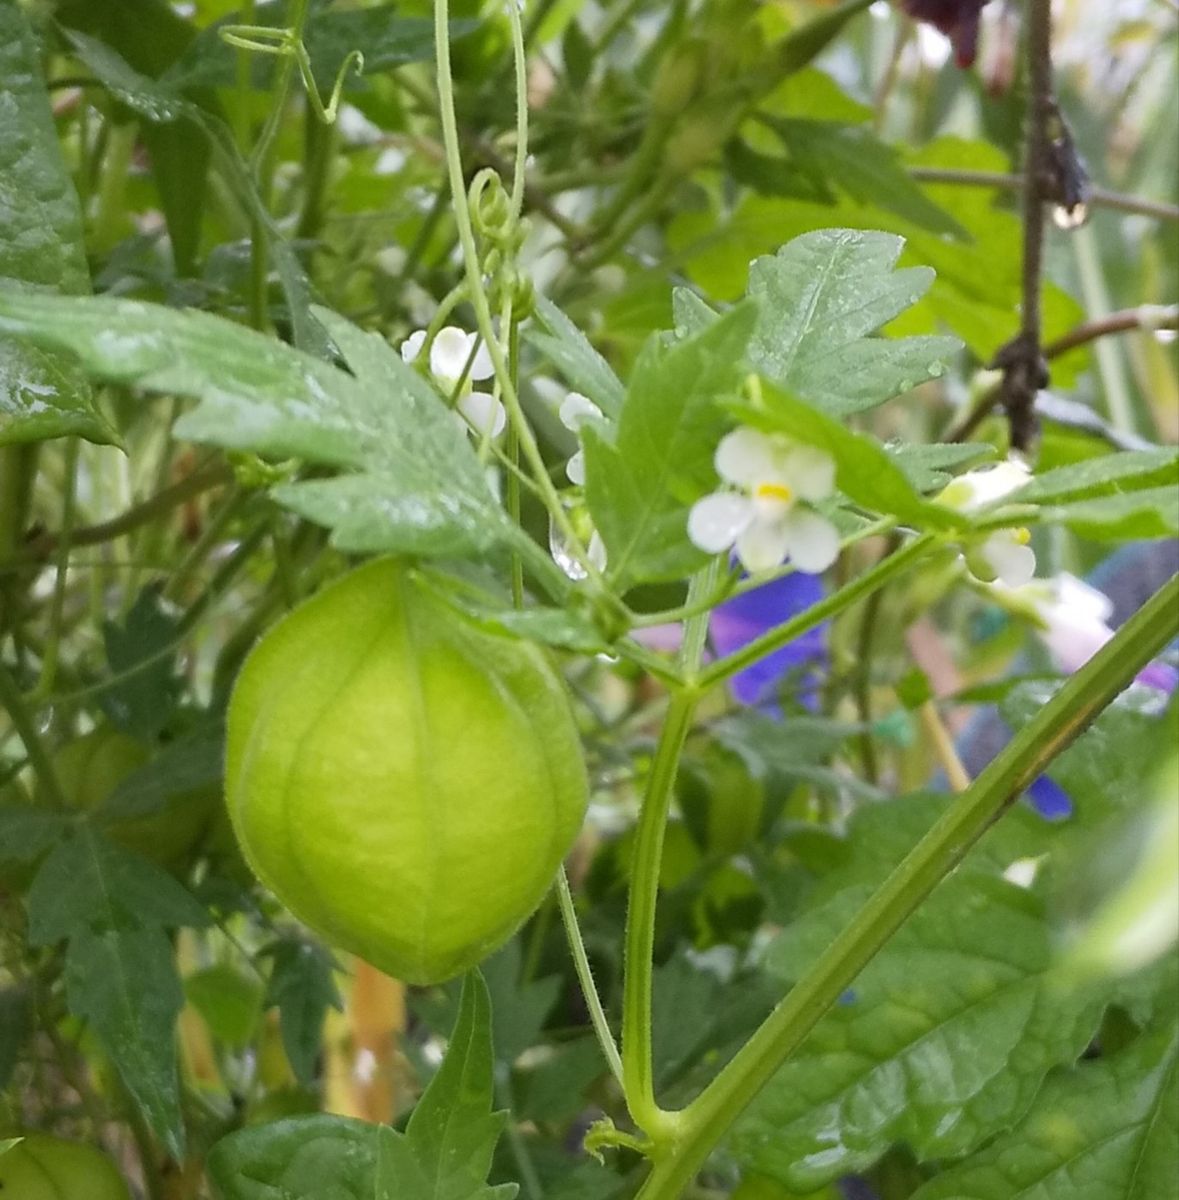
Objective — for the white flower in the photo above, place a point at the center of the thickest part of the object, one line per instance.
(450, 352)
(1073, 618)
(1004, 554)
(577, 410)
(763, 519)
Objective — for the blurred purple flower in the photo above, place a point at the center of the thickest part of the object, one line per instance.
(746, 617)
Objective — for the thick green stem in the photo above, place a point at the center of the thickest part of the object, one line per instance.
(966, 819)
(637, 1068)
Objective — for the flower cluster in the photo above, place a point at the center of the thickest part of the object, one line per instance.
(458, 359)
(764, 513)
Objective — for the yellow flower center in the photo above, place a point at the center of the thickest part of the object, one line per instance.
(1021, 536)
(773, 491)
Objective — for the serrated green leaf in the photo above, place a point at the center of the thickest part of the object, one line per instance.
(1108, 1130)
(569, 350)
(141, 655)
(303, 988)
(929, 468)
(41, 396)
(123, 982)
(1142, 515)
(821, 297)
(1106, 475)
(418, 487)
(864, 471)
(88, 884)
(945, 1038)
(641, 484)
(445, 1152)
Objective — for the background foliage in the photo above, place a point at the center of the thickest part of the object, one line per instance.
(181, 465)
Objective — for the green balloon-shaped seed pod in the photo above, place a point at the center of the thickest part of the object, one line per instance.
(42, 1167)
(404, 782)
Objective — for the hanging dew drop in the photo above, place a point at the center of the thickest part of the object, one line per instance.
(1073, 217)
(559, 549)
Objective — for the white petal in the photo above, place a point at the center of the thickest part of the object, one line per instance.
(716, 520)
(811, 472)
(763, 545)
(448, 355)
(576, 410)
(977, 489)
(575, 468)
(412, 346)
(1076, 596)
(483, 410)
(813, 541)
(482, 368)
(745, 457)
(1013, 561)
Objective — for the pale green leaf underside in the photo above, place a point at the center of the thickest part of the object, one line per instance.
(411, 483)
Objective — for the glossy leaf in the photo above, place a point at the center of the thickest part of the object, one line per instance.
(1108, 1130)
(302, 1158)
(821, 298)
(416, 484)
(641, 484)
(42, 395)
(944, 1039)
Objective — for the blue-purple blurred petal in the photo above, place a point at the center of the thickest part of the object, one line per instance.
(1050, 800)
(1160, 675)
(739, 621)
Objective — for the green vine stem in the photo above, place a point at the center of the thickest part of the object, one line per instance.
(478, 294)
(637, 1070)
(1079, 701)
(884, 571)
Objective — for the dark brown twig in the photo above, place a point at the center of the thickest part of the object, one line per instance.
(1149, 316)
(1025, 370)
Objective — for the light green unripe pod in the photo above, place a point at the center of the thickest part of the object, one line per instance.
(405, 783)
(42, 1167)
